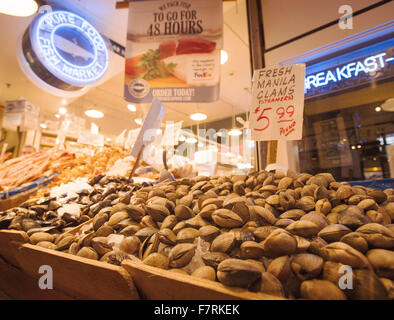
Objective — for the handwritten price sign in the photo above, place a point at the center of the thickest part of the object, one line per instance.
(278, 103)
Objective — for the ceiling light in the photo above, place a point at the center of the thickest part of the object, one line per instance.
(223, 56)
(191, 140)
(19, 8)
(359, 146)
(57, 115)
(159, 131)
(92, 113)
(388, 105)
(235, 132)
(353, 147)
(198, 116)
(62, 110)
(43, 125)
(378, 109)
(200, 145)
(109, 139)
(131, 107)
(182, 138)
(138, 121)
(64, 102)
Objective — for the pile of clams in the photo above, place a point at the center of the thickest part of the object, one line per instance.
(54, 215)
(290, 235)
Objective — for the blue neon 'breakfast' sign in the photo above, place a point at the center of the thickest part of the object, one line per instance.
(328, 76)
(69, 47)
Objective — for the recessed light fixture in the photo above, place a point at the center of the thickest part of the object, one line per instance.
(131, 107)
(182, 138)
(43, 125)
(223, 56)
(191, 140)
(200, 145)
(235, 132)
(159, 131)
(57, 115)
(359, 146)
(93, 113)
(64, 102)
(138, 121)
(62, 110)
(18, 8)
(378, 109)
(108, 139)
(198, 116)
(353, 147)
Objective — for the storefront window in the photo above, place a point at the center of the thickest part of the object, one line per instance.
(349, 124)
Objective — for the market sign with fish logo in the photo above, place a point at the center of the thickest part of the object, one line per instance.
(173, 51)
(65, 50)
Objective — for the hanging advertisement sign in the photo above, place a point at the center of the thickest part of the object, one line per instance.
(64, 51)
(173, 51)
(278, 103)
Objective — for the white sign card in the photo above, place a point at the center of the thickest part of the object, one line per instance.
(149, 128)
(278, 103)
(89, 138)
(132, 137)
(171, 134)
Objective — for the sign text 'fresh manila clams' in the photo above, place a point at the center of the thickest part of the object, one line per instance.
(278, 103)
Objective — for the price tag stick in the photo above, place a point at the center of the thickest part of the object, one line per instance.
(136, 164)
(272, 151)
(165, 159)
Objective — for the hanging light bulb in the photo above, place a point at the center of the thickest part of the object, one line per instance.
(198, 116)
(132, 107)
(191, 140)
(18, 8)
(235, 132)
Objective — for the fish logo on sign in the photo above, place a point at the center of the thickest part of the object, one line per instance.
(139, 88)
(69, 47)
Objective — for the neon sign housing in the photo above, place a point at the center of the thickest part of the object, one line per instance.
(359, 67)
(65, 51)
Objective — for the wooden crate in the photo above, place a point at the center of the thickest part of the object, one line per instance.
(10, 241)
(158, 284)
(73, 276)
(27, 288)
(78, 277)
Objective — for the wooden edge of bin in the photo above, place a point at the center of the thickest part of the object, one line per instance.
(78, 227)
(79, 277)
(158, 284)
(8, 252)
(17, 285)
(10, 240)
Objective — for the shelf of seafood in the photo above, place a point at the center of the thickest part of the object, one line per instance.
(264, 235)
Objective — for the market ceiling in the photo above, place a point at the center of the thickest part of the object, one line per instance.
(108, 96)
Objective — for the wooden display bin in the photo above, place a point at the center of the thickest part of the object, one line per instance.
(74, 277)
(80, 278)
(158, 284)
